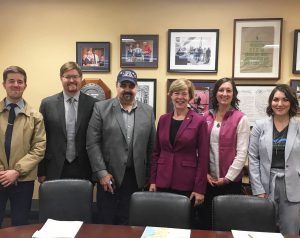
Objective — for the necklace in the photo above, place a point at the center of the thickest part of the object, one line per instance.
(218, 125)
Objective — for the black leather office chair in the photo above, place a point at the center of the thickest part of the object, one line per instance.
(159, 209)
(66, 199)
(242, 212)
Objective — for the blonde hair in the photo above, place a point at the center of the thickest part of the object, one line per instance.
(180, 85)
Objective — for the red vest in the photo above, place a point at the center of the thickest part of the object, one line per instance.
(227, 139)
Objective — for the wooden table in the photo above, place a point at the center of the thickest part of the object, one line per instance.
(107, 231)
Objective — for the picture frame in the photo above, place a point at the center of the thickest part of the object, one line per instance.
(257, 48)
(146, 92)
(203, 91)
(93, 56)
(138, 51)
(254, 100)
(295, 85)
(296, 53)
(193, 50)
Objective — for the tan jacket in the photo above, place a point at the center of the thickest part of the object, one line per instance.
(28, 142)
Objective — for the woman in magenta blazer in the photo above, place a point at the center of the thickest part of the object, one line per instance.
(180, 157)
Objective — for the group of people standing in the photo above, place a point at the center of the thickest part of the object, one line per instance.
(137, 54)
(114, 143)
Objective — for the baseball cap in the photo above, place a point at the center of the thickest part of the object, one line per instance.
(127, 75)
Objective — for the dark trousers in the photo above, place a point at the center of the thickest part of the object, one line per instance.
(75, 170)
(205, 210)
(114, 208)
(20, 197)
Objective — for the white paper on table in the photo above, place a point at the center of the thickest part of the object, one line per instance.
(164, 232)
(255, 234)
(58, 229)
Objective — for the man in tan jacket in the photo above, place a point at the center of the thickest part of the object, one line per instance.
(22, 146)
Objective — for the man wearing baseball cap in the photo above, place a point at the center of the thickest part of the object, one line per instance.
(120, 138)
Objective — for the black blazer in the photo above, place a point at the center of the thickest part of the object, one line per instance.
(53, 111)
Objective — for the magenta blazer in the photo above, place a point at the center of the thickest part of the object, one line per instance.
(184, 166)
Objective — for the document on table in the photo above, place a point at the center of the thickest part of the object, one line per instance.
(62, 229)
(255, 234)
(164, 232)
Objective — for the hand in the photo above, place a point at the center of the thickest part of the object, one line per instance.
(106, 183)
(211, 180)
(8, 177)
(219, 182)
(41, 179)
(263, 195)
(199, 198)
(152, 187)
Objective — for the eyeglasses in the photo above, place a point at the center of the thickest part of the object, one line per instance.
(68, 77)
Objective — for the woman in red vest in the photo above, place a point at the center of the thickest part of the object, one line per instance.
(229, 132)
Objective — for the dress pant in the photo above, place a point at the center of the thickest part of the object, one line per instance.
(73, 170)
(288, 213)
(20, 197)
(114, 208)
(205, 210)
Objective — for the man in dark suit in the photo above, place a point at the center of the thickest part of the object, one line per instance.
(66, 117)
(120, 138)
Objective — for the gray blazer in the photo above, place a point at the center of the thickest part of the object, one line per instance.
(260, 158)
(106, 140)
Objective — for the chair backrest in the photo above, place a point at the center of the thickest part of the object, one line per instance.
(159, 209)
(66, 199)
(243, 212)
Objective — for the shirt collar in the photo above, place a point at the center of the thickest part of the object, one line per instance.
(67, 97)
(20, 103)
(134, 106)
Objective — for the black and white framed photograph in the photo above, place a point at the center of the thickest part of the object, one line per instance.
(93, 56)
(202, 95)
(193, 50)
(257, 48)
(146, 92)
(139, 51)
(296, 54)
(254, 100)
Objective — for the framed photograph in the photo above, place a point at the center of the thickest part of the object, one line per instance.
(295, 85)
(194, 51)
(254, 100)
(202, 95)
(257, 48)
(139, 51)
(93, 56)
(296, 55)
(146, 92)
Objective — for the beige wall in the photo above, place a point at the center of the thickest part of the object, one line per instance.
(40, 35)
